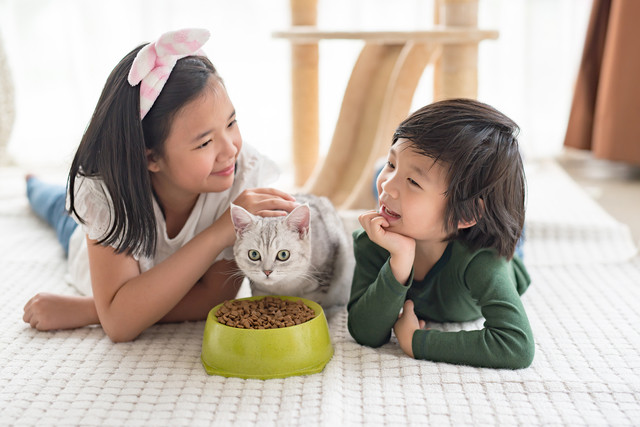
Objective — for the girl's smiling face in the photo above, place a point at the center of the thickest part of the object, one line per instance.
(412, 197)
(202, 147)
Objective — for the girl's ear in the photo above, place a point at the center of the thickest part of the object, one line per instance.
(299, 219)
(241, 218)
(152, 162)
(467, 224)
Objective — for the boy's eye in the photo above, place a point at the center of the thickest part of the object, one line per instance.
(283, 255)
(412, 182)
(233, 122)
(254, 255)
(391, 165)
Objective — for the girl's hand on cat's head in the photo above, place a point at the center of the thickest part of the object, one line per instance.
(266, 201)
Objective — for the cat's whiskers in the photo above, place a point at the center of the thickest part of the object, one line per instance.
(234, 274)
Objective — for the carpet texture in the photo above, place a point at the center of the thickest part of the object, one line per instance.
(583, 305)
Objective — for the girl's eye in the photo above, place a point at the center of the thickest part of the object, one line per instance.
(283, 255)
(204, 144)
(254, 255)
(391, 165)
(412, 182)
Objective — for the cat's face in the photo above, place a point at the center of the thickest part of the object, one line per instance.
(272, 250)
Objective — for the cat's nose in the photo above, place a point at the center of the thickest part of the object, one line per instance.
(267, 272)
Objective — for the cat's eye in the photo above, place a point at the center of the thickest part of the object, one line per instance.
(254, 255)
(283, 255)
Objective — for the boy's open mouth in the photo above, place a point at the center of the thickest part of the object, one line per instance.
(388, 212)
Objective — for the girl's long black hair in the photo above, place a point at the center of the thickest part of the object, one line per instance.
(114, 148)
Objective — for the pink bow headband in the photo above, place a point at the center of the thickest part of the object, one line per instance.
(154, 62)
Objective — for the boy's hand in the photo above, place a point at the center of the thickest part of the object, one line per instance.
(405, 326)
(401, 248)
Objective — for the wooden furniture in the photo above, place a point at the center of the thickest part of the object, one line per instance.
(379, 93)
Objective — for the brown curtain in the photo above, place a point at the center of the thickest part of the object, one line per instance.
(605, 113)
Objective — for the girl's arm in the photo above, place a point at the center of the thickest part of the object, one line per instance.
(217, 285)
(127, 301)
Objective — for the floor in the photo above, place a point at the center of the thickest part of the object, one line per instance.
(615, 186)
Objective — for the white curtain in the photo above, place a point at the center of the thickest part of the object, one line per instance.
(61, 51)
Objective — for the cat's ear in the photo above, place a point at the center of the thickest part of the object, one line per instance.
(298, 220)
(240, 217)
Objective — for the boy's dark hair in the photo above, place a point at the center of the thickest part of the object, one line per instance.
(478, 146)
(113, 148)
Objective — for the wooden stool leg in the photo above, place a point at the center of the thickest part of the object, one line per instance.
(304, 94)
(396, 104)
(456, 70)
(377, 98)
(357, 123)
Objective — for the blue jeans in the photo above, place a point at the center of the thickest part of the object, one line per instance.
(48, 202)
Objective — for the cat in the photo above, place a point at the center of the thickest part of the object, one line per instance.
(307, 253)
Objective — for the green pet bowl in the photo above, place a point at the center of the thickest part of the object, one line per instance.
(267, 353)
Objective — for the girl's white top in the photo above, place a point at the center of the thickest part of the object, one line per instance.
(93, 204)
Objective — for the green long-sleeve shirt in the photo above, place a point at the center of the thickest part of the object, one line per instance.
(462, 286)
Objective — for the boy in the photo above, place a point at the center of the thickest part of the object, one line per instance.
(441, 245)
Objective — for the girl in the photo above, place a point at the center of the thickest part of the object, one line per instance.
(150, 185)
(440, 247)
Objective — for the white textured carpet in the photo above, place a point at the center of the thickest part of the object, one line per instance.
(583, 304)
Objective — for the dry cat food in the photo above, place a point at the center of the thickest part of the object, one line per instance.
(265, 313)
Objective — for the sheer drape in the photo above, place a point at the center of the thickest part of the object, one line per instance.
(61, 51)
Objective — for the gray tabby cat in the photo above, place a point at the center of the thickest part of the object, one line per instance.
(306, 254)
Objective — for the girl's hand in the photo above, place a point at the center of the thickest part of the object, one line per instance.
(266, 201)
(405, 326)
(401, 248)
(46, 312)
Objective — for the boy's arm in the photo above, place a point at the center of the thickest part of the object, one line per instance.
(376, 296)
(506, 341)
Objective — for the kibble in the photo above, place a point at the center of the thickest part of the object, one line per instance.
(266, 313)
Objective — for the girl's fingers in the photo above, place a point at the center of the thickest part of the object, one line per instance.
(274, 192)
(268, 213)
(275, 207)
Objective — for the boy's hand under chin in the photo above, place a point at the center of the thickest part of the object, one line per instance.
(401, 248)
(405, 326)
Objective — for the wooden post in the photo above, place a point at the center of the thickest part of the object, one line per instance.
(456, 71)
(304, 94)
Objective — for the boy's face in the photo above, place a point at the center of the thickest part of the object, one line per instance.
(412, 194)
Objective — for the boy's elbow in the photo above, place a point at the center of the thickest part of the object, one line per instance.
(521, 356)
(363, 336)
(526, 357)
